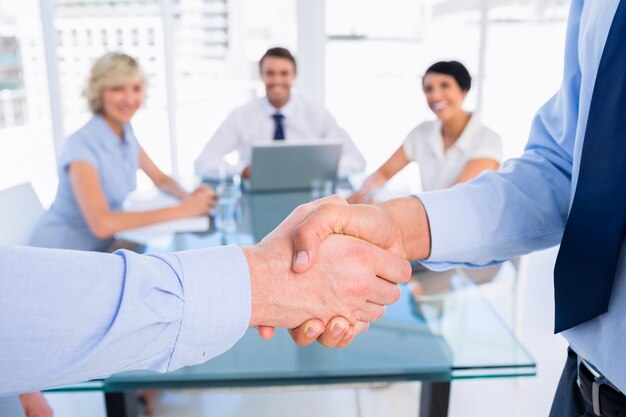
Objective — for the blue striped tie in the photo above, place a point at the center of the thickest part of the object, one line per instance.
(585, 267)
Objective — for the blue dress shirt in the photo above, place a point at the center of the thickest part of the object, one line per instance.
(524, 207)
(69, 316)
(63, 225)
(11, 407)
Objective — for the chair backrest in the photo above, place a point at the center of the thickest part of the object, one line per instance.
(20, 209)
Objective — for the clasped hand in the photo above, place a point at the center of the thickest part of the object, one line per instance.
(346, 263)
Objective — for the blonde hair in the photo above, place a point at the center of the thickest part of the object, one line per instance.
(110, 70)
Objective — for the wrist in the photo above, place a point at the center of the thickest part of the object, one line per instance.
(181, 210)
(410, 217)
(257, 263)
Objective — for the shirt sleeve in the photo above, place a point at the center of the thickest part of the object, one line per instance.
(487, 146)
(523, 207)
(70, 316)
(224, 140)
(352, 160)
(78, 148)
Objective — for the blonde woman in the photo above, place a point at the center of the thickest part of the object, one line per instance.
(98, 168)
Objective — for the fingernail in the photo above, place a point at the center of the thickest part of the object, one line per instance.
(301, 259)
(311, 332)
(337, 329)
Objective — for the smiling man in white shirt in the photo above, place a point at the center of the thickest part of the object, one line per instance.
(279, 116)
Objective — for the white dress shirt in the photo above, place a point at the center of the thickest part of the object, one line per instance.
(440, 169)
(524, 206)
(69, 316)
(252, 123)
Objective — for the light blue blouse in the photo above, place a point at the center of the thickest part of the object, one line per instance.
(116, 161)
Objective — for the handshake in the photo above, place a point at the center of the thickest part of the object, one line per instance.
(330, 268)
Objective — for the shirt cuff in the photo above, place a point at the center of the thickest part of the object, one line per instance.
(454, 228)
(217, 305)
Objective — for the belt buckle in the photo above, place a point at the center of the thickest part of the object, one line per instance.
(595, 395)
(598, 382)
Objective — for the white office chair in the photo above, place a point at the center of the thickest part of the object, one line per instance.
(20, 209)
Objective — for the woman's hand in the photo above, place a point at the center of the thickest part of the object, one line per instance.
(199, 202)
(202, 188)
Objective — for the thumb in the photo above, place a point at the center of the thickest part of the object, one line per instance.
(366, 222)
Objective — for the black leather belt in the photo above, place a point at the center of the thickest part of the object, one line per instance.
(597, 390)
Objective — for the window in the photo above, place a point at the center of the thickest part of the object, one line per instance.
(525, 44)
(135, 37)
(385, 58)
(26, 146)
(217, 47)
(214, 75)
(120, 26)
(120, 37)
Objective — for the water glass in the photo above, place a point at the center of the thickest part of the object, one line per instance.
(321, 187)
(227, 206)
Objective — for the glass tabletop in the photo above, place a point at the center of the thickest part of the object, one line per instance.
(441, 329)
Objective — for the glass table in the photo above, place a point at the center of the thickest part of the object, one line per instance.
(434, 334)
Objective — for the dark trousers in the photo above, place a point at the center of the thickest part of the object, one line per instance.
(568, 400)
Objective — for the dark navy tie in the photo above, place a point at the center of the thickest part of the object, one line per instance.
(585, 267)
(279, 132)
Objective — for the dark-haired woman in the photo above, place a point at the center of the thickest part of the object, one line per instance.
(453, 149)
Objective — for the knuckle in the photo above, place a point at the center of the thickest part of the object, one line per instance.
(396, 294)
(408, 271)
(301, 210)
(298, 337)
(337, 199)
(303, 235)
(329, 211)
(299, 233)
(369, 316)
(325, 210)
(362, 254)
(326, 343)
(361, 290)
(302, 342)
(352, 314)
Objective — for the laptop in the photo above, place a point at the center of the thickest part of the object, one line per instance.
(292, 166)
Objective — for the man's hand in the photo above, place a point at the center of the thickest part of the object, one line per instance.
(35, 405)
(400, 225)
(246, 172)
(351, 278)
